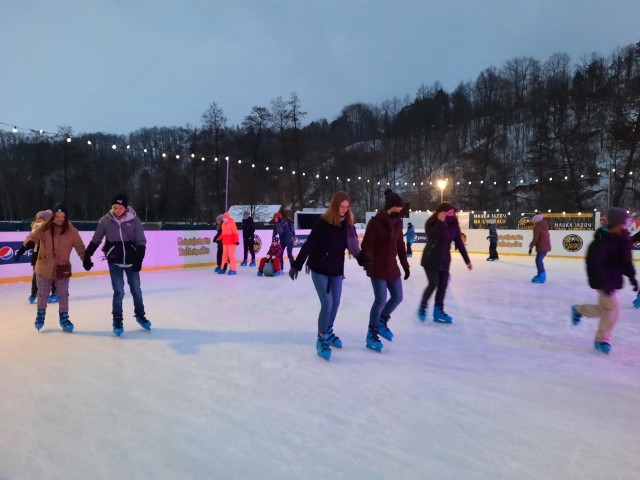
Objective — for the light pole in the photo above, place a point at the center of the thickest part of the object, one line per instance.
(442, 184)
(226, 190)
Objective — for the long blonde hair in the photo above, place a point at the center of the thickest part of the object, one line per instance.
(332, 214)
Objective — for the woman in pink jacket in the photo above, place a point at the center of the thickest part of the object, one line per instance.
(542, 242)
(229, 243)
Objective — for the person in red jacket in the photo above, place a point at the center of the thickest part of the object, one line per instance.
(381, 246)
(229, 243)
(542, 241)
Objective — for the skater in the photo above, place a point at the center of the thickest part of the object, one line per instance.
(38, 221)
(218, 241)
(493, 241)
(248, 231)
(229, 243)
(55, 239)
(608, 259)
(284, 230)
(124, 249)
(381, 246)
(542, 241)
(273, 256)
(331, 235)
(411, 235)
(441, 229)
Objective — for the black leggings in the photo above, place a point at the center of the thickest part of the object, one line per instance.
(438, 280)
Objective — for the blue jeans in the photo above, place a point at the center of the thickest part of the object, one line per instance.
(539, 258)
(117, 282)
(382, 308)
(329, 291)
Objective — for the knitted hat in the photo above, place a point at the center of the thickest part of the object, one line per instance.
(277, 216)
(120, 199)
(537, 218)
(392, 199)
(490, 221)
(60, 207)
(219, 218)
(44, 214)
(616, 216)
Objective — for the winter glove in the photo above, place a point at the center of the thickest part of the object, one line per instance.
(293, 273)
(407, 272)
(91, 248)
(20, 252)
(136, 265)
(87, 263)
(530, 249)
(634, 282)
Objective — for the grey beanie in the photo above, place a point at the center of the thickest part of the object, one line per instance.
(537, 218)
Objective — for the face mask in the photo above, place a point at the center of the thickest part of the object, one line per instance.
(394, 214)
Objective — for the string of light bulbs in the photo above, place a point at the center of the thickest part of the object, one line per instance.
(441, 184)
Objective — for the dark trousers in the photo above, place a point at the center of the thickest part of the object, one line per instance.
(383, 308)
(248, 247)
(289, 249)
(219, 256)
(438, 280)
(409, 252)
(493, 250)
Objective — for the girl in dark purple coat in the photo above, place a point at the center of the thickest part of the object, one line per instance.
(381, 245)
(441, 229)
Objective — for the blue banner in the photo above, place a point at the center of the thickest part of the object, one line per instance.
(8, 253)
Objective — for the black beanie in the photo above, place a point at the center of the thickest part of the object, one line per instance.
(616, 216)
(120, 199)
(392, 199)
(60, 207)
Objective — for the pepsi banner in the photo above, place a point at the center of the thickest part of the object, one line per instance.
(8, 252)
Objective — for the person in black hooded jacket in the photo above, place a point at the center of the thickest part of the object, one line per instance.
(323, 252)
(608, 259)
(441, 229)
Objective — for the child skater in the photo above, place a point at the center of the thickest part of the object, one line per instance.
(608, 259)
(273, 255)
(38, 221)
(493, 241)
(411, 236)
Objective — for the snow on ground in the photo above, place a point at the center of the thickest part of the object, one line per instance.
(227, 383)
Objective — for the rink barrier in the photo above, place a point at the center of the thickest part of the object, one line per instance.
(196, 248)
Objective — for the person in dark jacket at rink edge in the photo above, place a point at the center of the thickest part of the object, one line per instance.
(411, 236)
(218, 241)
(124, 251)
(609, 257)
(441, 229)
(248, 231)
(382, 245)
(284, 230)
(493, 241)
(323, 252)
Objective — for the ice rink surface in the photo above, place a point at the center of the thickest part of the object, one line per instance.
(227, 384)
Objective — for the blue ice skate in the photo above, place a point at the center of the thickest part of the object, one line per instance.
(244, 263)
(636, 302)
(540, 278)
(422, 313)
(603, 347)
(221, 271)
(575, 315)
(384, 329)
(491, 259)
(259, 274)
(333, 340)
(66, 325)
(143, 322)
(373, 341)
(40, 318)
(439, 316)
(53, 298)
(232, 272)
(276, 273)
(117, 326)
(322, 347)
(253, 263)
(32, 298)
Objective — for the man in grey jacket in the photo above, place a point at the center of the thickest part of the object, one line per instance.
(124, 250)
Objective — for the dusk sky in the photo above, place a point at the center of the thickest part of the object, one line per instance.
(118, 65)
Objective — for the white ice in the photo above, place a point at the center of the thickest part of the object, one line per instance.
(227, 384)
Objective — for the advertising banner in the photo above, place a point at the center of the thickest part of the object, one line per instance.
(561, 221)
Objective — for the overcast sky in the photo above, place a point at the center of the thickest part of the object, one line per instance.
(118, 65)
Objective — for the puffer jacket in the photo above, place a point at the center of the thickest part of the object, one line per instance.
(437, 251)
(541, 237)
(125, 239)
(55, 249)
(229, 230)
(383, 245)
(609, 257)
